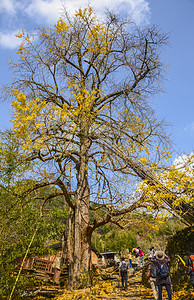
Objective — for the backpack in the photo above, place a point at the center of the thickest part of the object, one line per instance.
(163, 271)
(153, 272)
(124, 267)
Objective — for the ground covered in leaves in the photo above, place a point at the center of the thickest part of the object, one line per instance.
(110, 288)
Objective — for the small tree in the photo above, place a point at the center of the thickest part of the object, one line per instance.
(29, 221)
(82, 92)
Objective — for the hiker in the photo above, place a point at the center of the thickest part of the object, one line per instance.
(123, 267)
(190, 267)
(141, 257)
(152, 251)
(130, 259)
(151, 275)
(162, 273)
(135, 251)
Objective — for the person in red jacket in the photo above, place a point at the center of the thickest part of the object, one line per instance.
(141, 257)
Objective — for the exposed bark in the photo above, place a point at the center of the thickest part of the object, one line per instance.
(80, 253)
(70, 244)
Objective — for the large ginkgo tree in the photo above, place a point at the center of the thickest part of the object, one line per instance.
(81, 99)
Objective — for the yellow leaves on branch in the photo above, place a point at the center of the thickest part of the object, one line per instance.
(98, 36)
(61, 26)
(84, 13)
(82, 103)
(26, 115)
(178, 184)
(32, 118)
(26, 40)
(100, 39)
(180, 181)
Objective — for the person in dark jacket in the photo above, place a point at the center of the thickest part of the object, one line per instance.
(123, 273)
(159, 260)
(151, 275)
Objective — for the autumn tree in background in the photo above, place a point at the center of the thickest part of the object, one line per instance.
(178, 181)
(81, 97)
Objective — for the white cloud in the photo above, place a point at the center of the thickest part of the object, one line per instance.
(140, 11)
(51, 10)
(190, 128)
(48, 11)
(7, 6)
(9, 40)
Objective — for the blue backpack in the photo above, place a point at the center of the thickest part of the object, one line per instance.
(163, 271)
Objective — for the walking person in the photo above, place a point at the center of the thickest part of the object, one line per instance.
(123, 267)
(141, 257)
(162, 273)
(130, 259)
(152, 251)
(151, 275)
(135, 251)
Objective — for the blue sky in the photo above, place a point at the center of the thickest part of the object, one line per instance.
(176, 17)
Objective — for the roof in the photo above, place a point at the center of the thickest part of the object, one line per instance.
(108, 252)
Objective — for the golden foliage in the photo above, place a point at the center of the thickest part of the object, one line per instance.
(178, 184)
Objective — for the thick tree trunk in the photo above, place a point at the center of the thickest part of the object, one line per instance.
(85, 242)
(70, 245)
(79, 237)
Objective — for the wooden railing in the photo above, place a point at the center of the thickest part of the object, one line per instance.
(41, 265)
(38, 264)
(44, 265)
